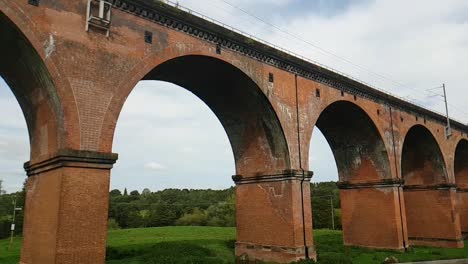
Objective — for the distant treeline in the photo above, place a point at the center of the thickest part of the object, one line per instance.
(181, 207)
(172, 207)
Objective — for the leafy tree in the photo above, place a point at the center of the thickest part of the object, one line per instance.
(321, 194)
(115, 192)
(196, 218)
(134, 193)
(127, 215)
(112, 224)
(2, 191)
(162, 215)
(223, 214)
(125, 192)
(146, 192)
(204, 207)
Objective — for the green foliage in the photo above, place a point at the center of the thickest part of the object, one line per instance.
(206, 245)
(134, 193)
(115, 193)
(146, 191)
(324, 195)
(173, 207)
(162, 215)
(6, 212)
(196, 218)
(112, 224)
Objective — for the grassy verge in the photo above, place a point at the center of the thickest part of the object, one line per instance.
(330, 249)
(213, 245)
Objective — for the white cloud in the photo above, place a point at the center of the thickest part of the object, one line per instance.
(154, 166)
(187, 150)
(419, 43)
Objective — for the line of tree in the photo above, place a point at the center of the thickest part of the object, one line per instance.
(6, 211)
(206, 207)
(181, 207)
(172, 207)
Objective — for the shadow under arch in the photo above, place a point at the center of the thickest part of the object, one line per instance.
(26, 74)
(368, 202)
(422, 162)
(461, 179)
(253, 128)
(357, 146)
(461, 162)
(430, 200)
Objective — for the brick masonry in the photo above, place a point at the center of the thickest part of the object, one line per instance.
(72, 84)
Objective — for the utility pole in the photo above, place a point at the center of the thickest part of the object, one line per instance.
(448, 129)
(13, 221)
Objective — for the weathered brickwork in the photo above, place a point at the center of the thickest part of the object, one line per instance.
(461, 179)
(402, 182)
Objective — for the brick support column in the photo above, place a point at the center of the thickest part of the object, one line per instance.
(67, 198)
(462, 193)
(274, 217)
(372, 215)
(433, 219)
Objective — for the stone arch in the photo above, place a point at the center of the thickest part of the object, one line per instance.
(28, 76)
(461, 162)
(367, 191)
(357, 145)
(461, 179)
(253, 128)
(422, 162)
(430, 200)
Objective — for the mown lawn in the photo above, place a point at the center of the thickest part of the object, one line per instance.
(215, 245)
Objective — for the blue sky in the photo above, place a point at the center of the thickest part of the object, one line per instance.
(168, 138)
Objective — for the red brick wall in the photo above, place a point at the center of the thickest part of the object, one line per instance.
(364, 214)
(89, 76)
(431, 214)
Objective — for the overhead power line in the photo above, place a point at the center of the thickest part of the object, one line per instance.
(328, 53)
(381, 76)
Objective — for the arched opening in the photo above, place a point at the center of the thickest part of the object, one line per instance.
(325, 195)
(428, 197)
(257, 144)
(14, 143)
(363, 167)
(254, 131)
(14, 150)
(461, 179)
(356, 143)
(26, 74)
(422, 162)
(177, 184)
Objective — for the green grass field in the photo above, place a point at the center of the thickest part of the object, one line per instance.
(215, 245)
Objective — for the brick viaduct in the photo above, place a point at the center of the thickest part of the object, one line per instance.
(402, 181)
